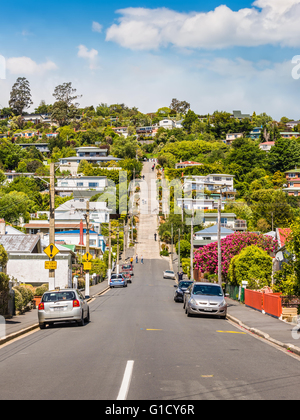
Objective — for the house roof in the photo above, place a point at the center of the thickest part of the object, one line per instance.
(189, 162)
(214, 229)
(19, 243)
(57, 225)
(282, 235)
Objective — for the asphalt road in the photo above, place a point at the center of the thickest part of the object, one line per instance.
(171, 356)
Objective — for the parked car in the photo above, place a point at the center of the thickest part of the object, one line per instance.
(169, 274)
(128, 268)
(127, 276)
(180, 289)
(203, 299)
(117, 280)
(63, 305)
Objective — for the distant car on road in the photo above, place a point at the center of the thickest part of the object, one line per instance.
(180, 289)
(169, 274)
(127, 268)
(117, 280)
(63, 306)
(205, 299)
(127, 276)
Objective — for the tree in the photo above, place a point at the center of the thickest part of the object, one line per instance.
(124, 148)
(179, 106)
(252, 264)
(20, 96)
(65, 93)
(284, 155)
(189, 119)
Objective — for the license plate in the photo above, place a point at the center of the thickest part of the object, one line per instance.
(208, 309)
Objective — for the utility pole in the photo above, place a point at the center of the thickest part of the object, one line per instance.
(219, 240)
(124, 241)
(109, 254)
(87, 248)
(172, 245)
(118, 267)
(192, 246)
(52, 221)
(178, 250)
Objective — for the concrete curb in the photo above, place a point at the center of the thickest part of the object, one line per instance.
(290, 347)
(32, 327)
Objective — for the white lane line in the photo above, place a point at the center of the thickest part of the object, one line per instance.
(126, 381)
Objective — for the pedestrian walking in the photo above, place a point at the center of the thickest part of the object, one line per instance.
(142, 259)
(155, 236)
(136, 258)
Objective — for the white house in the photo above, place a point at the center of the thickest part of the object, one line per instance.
(71, 163)
(211, 183)
(167, 123)
(209, 235)
(66, 186)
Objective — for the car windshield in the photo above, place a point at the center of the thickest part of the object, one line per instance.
(58, 296)
(168, 271)
(211, 290)
(126, 267)
(184, 284)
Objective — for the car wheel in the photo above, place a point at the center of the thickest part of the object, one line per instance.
(42, 326)
(81, 322)
(87, 319)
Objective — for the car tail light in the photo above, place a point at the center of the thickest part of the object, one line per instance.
(76, 303)
(41, 306)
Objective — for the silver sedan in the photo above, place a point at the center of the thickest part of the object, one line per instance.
(205, 299)
(63, 305)
(169, 274)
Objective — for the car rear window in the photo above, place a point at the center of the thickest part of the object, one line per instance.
(126, 267)
(184, 284)
(57, 296)
(116, 276)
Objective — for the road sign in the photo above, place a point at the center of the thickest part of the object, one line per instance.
(87, 256)
(51, 250)
(51, 265)
(87, 265)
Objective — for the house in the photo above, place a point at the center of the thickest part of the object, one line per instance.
(186, 164)
(293, 182)
(209, 235)
(255, 133)
(228, 220)
(211, 183)
(71, 163)
(41, 147)
(292, 124)
(266, 146)
(12, 175)
(122, 131)
(238, 115)
(289, 134)
(90, 151)
(29, 244)
(167, 123)
(281, 256)
(230, 137)
(66, 186)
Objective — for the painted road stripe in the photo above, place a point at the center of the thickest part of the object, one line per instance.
(231, 332)
(126, 381)
(153, 329)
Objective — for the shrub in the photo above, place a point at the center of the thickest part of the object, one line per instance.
(252, 264)
(18, 300)
(164, 252)
(40, 290)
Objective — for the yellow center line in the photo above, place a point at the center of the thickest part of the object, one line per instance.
(231, 332)
(153, 329)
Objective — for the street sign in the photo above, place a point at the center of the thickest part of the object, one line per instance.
(87, 265)
(51, 250)
(87, 256)
(50, 265)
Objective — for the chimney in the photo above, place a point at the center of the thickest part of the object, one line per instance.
(2, 227)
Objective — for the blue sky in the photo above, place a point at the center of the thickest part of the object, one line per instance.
(216, 55)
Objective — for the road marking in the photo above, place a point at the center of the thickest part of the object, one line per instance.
(231, 332)
(153, 329)
(126, 381)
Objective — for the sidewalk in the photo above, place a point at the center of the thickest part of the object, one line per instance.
(272, 329)
(20, 324)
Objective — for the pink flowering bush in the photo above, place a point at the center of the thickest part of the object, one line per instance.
(206, 258)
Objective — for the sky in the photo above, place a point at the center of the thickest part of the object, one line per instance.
(217, 55)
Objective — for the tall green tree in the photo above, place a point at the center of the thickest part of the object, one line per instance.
(20, 96)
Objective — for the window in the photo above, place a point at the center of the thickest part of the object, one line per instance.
(224, 220)
(292, 175)
(291, 184)
(217, 178)
(64, 183)
(79, 184)
(93, 184)
(93, 242)
(206, 238)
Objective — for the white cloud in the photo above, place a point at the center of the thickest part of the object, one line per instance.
(273, 22)
(90, 55)
(96, 27)
(25, 65)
